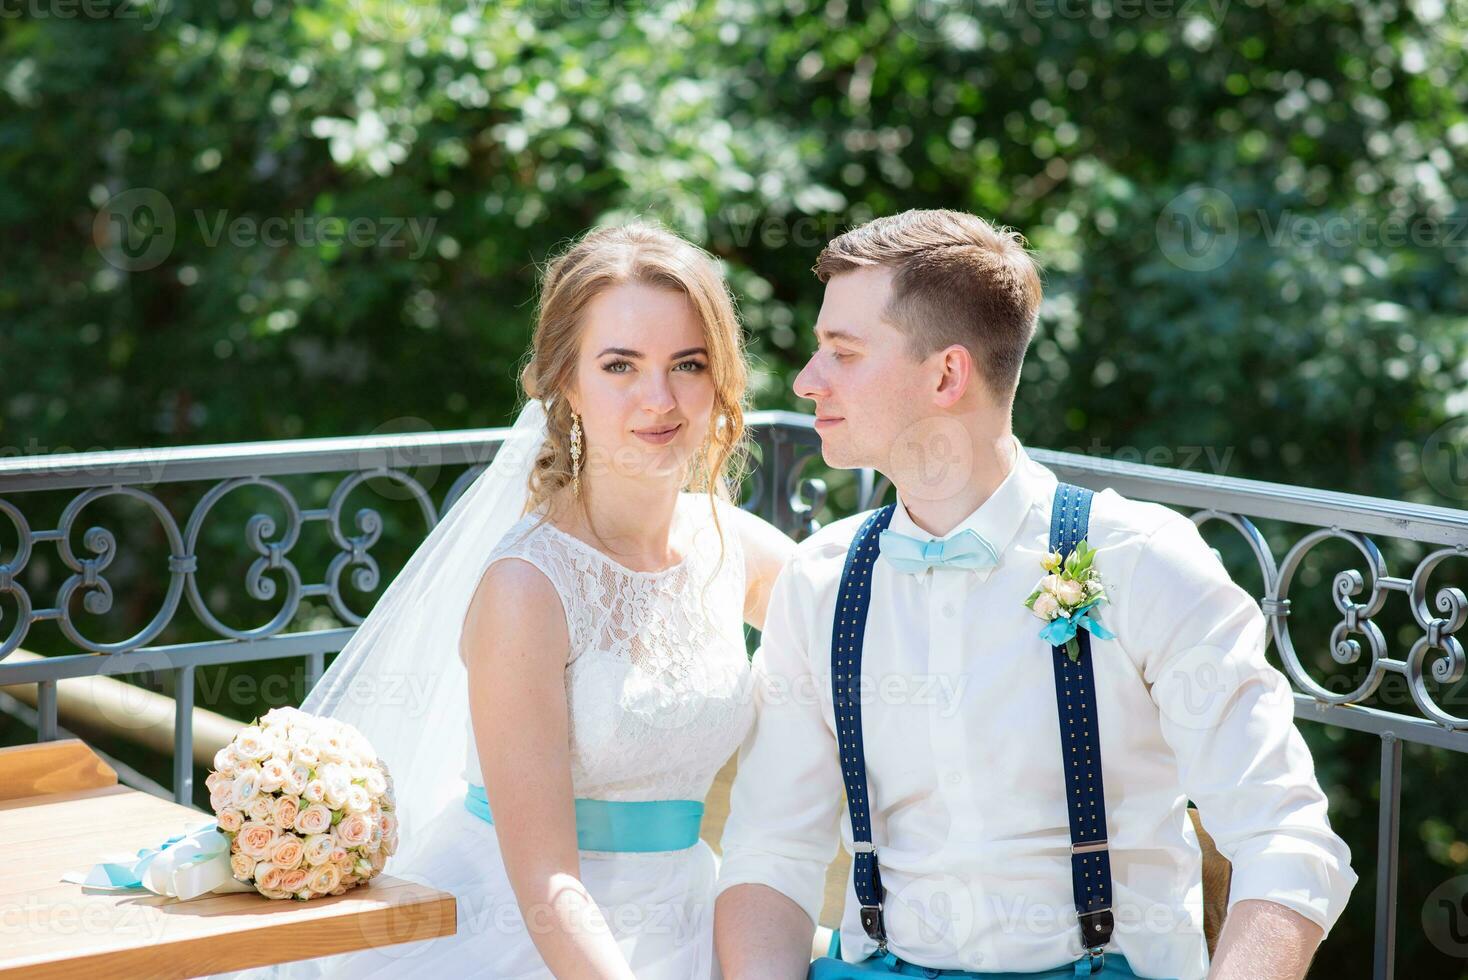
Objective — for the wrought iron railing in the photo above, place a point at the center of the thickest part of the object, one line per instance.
(788, 486)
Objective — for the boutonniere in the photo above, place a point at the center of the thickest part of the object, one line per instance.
(1065, 597)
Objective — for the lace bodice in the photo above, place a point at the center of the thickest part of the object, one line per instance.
(657, 679)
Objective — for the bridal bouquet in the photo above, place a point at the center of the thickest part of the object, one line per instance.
(306, 804)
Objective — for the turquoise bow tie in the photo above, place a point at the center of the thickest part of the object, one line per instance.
(966, 549)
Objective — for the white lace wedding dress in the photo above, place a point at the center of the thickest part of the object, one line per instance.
(659, 694)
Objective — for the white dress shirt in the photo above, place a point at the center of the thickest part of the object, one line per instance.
(963, 746)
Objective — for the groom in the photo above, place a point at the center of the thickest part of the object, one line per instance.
(1019, 801)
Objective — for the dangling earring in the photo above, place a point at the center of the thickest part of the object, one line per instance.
(576, 452)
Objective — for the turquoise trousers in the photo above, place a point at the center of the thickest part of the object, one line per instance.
(889, 965)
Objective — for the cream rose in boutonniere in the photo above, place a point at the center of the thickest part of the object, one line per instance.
(1065, 597)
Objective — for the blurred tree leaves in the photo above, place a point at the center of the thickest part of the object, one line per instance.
(1250, 214)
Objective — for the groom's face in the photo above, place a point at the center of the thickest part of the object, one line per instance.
(862, 377)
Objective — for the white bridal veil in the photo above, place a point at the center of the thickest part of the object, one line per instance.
(399, 679)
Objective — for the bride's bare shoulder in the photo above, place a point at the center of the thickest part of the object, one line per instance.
(515, 611)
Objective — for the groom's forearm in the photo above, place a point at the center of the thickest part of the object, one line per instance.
(1263, 940)
(760, 934)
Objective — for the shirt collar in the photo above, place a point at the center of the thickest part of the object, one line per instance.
(998, 518)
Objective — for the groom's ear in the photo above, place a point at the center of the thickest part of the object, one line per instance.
(954, 366)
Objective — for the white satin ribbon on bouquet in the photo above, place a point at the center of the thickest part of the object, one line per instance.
(184, 866)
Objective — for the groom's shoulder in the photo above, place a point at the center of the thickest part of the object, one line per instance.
(1119, 521)
(833, 540)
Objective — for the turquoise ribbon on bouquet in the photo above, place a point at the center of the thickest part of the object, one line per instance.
(184, 866)
(1062, 629)
(615, 825)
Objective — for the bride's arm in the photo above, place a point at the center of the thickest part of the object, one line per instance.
(515, 647)
(766, 550)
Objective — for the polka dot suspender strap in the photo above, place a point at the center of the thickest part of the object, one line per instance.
(1075, 696)
(847, 634)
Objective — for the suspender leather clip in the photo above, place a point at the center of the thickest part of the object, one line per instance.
(1096, 929)
(875, 925)
(1086, 847)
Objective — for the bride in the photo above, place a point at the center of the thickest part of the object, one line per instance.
(576, 619)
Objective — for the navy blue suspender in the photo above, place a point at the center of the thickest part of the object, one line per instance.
(847, 635)
(1080, 746)
(1079, 738)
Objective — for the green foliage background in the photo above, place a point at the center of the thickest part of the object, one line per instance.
(761, 129)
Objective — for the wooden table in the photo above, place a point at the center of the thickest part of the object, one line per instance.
(61, 810)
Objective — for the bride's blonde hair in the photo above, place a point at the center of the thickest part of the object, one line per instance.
(644, 253)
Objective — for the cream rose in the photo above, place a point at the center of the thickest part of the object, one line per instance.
(226, 761)
(283, 715)
(1070, 592)
(315, 819)
(357, 800)
(389, 821)
(285, 811)
(306, 754)
(242, 866)
(354, 830)
(323, 878)
(286, 852)
(297, 778)
(261, 808)
(273, 774)
(244, 788)
(390, 844)
(267, 876)
(255, 838)
(293, 881)
(375, 782)
(218, 801)
(230, 820)
(319, 848)
(251, 744)
(314, 791)
(1046, 606)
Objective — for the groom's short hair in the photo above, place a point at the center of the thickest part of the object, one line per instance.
(957, 279)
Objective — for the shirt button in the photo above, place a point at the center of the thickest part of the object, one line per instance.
(955, 778)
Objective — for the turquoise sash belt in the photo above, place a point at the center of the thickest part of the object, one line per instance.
(610, 825)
